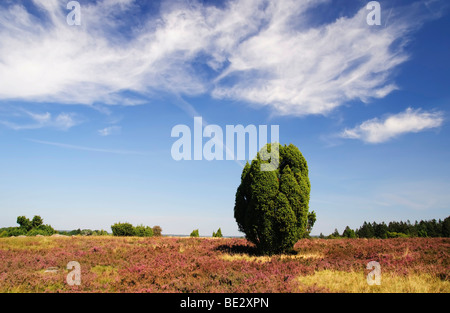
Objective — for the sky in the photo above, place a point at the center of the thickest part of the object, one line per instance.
(87, 111)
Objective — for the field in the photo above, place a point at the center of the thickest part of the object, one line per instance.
(169, 264)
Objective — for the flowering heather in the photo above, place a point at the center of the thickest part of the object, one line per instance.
(164, 264)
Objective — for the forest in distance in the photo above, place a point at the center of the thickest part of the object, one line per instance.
(423, 228)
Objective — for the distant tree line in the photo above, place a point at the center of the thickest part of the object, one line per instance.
(36, 226)
(28, 227)
(127, 229)
(430, 228)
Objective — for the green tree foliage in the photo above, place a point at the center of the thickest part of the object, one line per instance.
(36, 221)
(431, 228)
(143, 231)
(123, 229)
(194, 233)
(44, 230)
(271, 207)
(218, 234)
(24, 223)
(348, 233)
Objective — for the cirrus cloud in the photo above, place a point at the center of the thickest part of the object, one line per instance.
(261, 52)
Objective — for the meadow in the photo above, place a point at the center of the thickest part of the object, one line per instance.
(197, 265)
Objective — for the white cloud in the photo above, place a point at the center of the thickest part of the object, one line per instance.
(410, 121)
(109, 130)
(262, 52)
(31, 120)
(82, 148)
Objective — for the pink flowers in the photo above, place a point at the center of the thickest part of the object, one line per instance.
(159, 264)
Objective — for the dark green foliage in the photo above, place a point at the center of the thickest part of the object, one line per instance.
(123, 229)
(348, 233)
(44, 230)
(218, 234)
(334, 235)
(24, 223)
(36, 221)
(271, 207)
(446, 227)
(431, 228)
(194, 233)
(157, 230)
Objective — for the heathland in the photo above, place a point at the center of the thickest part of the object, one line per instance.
(170, 264)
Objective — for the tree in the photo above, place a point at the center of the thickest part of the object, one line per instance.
(311, 221)
(335, 234)
(24, 223)
(218, 234)
(123, 229)
(194, 233)
(157, 230)
(271, 207)
(348, 233)
(36, 221)
(143, 231)
(446, 227)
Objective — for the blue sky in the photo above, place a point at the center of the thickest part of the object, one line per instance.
(86, 112)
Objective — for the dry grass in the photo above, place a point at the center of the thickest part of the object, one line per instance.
(263, 259)
(356, 282)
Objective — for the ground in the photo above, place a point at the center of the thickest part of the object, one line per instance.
(164, 264)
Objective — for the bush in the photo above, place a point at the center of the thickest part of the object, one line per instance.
(123, 229)
(218, 234)
(348, 233)
(396, 235)
(143, 231)
(194, 233)
(44, 230)
(271, 207)
(157, 230)
(100, 233)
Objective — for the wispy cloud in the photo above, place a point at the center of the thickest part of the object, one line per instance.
(252, 50)
(378, 131)
(107, 131)
(32, 120)
(75, 147)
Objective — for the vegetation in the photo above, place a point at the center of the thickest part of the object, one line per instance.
(431, 228)
(180, 265)
(157, 231)
(271, 207)
(127, 229)
(194, 233)
(218, 234)
(28, 228)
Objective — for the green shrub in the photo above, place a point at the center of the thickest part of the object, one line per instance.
(143, 231)
(123, 229)
(396, 235)
(44, 230)
(218, 234)
(194, 233)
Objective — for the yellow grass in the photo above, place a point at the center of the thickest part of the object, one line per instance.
(263, 259)
(356, 282)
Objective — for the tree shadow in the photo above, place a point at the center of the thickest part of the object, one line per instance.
(239, 249)
(249, 249)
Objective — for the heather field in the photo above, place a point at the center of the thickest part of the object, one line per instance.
(196, 265)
